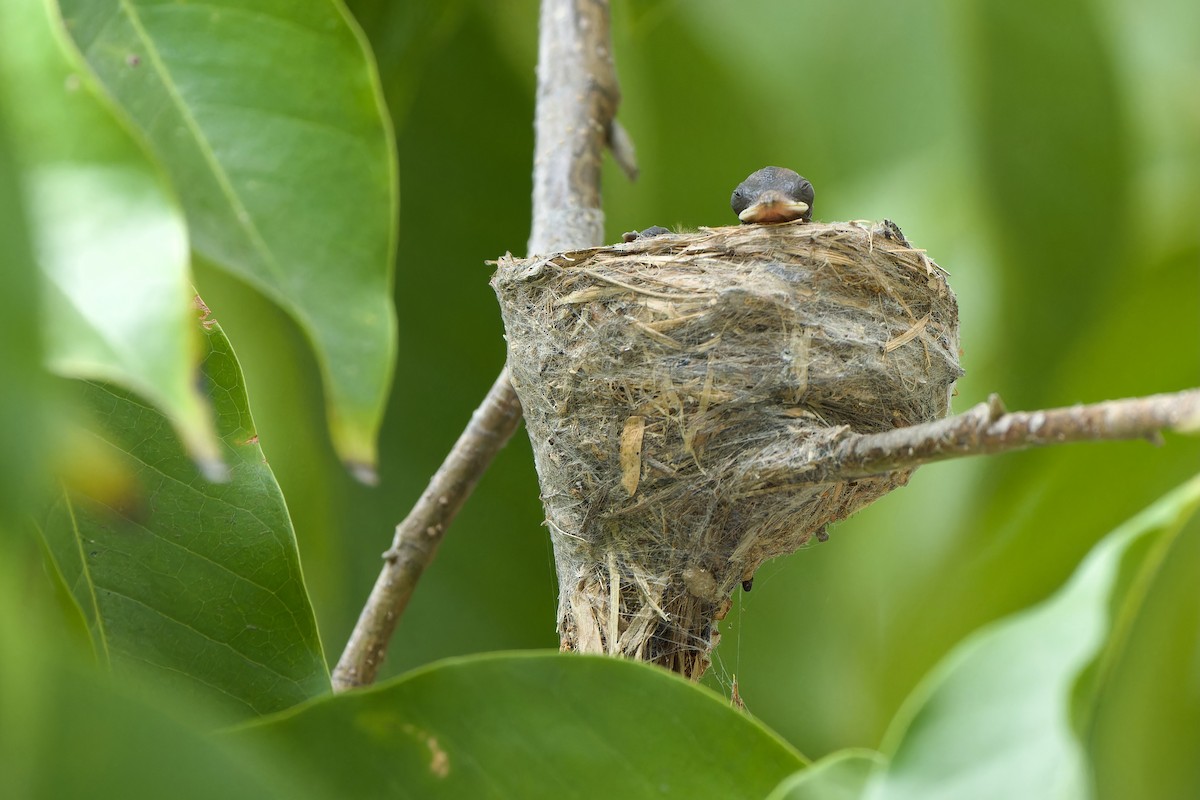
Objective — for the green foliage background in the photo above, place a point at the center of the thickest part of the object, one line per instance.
(1048, 156)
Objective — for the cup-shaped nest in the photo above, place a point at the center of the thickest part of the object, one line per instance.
(674, 388)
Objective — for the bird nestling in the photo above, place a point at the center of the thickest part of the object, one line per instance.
(773, 194)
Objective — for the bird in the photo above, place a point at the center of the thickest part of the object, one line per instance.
(773, 194)
(652, 231)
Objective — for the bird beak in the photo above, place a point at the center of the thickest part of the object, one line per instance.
(774, 207)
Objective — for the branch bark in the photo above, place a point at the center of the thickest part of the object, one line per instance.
(988, 429)
(418, 536)
(577, 100)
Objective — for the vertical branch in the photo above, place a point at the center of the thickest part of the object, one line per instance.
(576, 101)
(577, 98)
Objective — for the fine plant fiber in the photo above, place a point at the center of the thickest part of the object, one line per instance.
(667, 383)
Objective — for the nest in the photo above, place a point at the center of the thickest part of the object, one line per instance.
(672, 385)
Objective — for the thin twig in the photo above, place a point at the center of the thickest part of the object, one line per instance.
(419, 535)
(576, 103)
(988, 429)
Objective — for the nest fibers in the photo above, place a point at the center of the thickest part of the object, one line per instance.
(672, 385)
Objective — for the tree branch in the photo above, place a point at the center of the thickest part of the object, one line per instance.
(418, 536)
(576, 105)
(577, 99)
(988, 429)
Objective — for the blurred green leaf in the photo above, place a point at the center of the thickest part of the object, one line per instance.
(1158, 63)
(995, 719)
(810, 83)
(194, 584)
(840, 776)
(109, 239)
(403, 36)
(75, 735)
(528, 726)
(269, 118)
(1143, 723)
(23, 385)
(1054, 155)
(67, 731)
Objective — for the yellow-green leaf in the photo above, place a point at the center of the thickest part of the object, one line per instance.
(1010, 710)
(108, 238)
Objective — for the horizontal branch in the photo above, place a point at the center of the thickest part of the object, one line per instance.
(988, 429)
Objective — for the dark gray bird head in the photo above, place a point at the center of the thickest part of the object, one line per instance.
(773, 194)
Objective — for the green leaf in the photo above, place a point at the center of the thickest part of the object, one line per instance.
(109, 239)
(75, 735)
(1142, 723)
(196, 585)
(268, 116)
(995, 718)
(23, 425)
(67, 731)
(840, 776)
(530, 725)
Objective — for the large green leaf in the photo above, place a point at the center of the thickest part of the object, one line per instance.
(67, 731)
(109, 239)
(1001, 717)
(194, 584)
(527, 726)
(268, 116)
